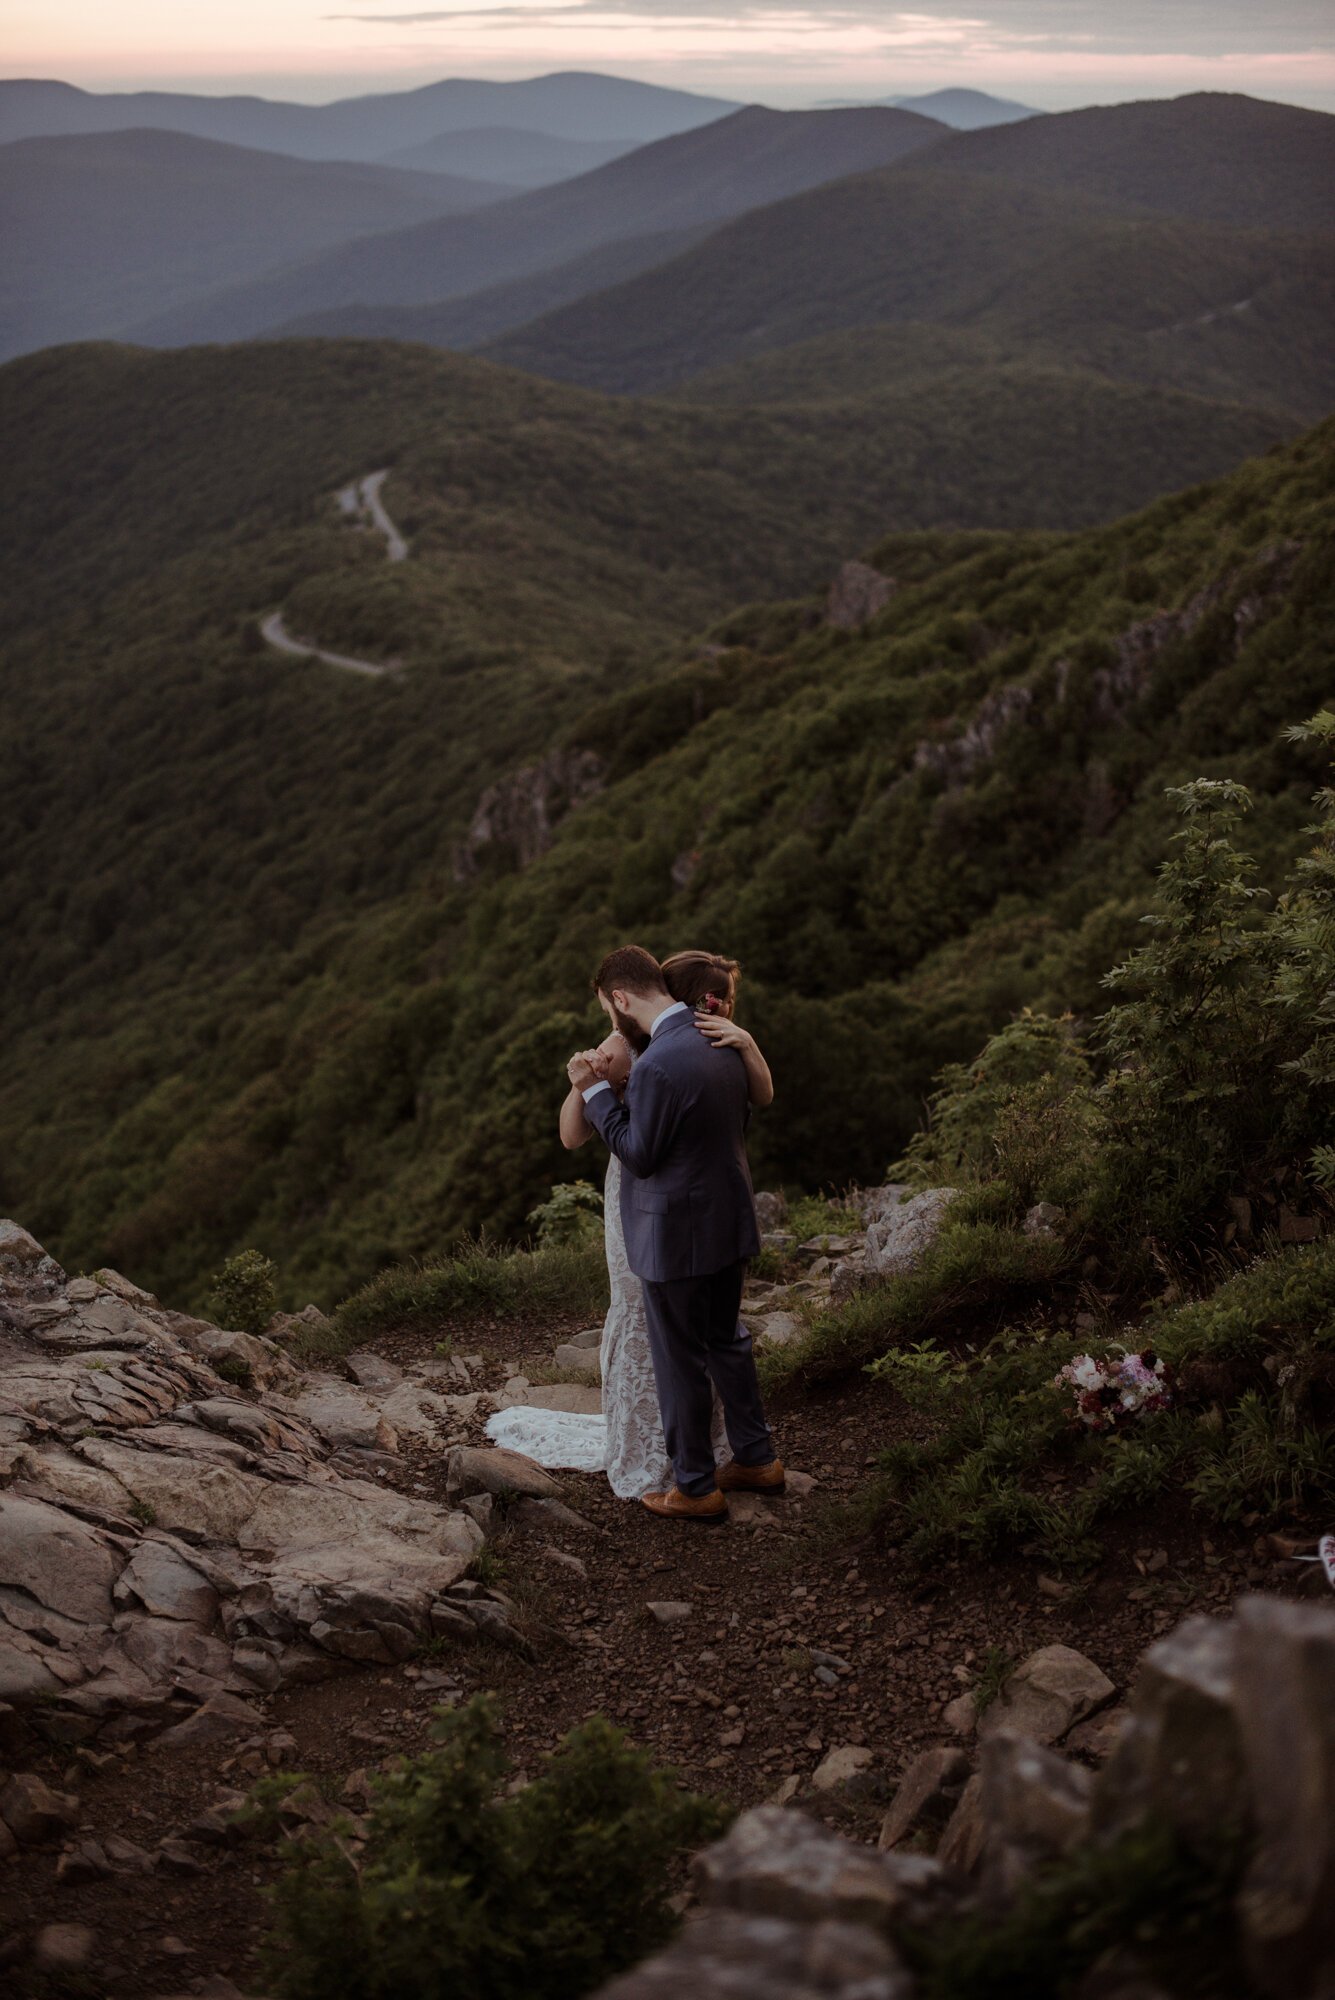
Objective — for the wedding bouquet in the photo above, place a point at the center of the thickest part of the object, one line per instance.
(1111, 1390)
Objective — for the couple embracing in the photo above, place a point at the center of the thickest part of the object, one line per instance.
(670, 1092)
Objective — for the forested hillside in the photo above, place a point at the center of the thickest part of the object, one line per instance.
(269, 992)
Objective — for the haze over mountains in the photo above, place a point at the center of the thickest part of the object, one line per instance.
(753, 157)
(569, 105)
(98, 229)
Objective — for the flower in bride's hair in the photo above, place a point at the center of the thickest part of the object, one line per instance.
(709, 1003)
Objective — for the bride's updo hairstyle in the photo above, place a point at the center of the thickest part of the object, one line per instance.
(705, 980)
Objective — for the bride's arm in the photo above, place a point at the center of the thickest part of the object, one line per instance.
(574, 1126)
(727, 1035)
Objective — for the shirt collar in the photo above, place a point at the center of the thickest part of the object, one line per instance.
(677, 1007)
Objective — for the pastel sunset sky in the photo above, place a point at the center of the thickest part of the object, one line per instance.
(1051, 53)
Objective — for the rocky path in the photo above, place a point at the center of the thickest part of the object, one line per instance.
(361, 500)
(789, 1657)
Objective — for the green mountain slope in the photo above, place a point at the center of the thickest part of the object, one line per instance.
(100, 231)
(263, 984)
(1237, 312)
(705, 175)
(1217, 157)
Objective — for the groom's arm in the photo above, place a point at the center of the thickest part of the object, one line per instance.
(640, 1129)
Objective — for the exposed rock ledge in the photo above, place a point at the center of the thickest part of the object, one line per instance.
(169, 1545)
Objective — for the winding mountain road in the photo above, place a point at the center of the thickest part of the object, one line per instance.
(361, 500)
(277, 635)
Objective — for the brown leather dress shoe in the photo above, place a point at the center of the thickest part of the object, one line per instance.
(734, 1478)
(674, 1505)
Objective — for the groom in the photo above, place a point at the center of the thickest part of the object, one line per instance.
(690, 1224)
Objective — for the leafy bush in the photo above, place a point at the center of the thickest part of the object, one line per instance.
(572, 1214)
(1021, 1113)
(1252, 1427)
(974, 1271)
(1216, 1060)
(480, 1278)
(542, 1895)
(245, 1292)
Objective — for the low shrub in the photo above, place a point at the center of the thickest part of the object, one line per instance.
(245, 1292)
(974, 1272)
(1250, 1428)
(480, 1278)
(539, 1895)
(571, 1214)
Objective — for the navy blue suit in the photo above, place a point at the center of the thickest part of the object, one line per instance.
(689, 1220)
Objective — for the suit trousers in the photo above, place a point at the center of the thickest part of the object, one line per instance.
(695, 1340)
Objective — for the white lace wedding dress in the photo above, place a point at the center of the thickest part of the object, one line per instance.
(626, 1441)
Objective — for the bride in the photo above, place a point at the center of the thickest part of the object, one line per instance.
(626, 1441)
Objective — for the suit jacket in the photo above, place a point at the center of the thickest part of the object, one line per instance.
(686, 1203)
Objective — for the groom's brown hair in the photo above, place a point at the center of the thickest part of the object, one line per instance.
(629, 969)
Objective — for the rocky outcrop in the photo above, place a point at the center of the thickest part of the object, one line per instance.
(515, 819)
(1113, 688)
(856, 595)
(904, 1230)
(1229, 1734)
(174, 1545)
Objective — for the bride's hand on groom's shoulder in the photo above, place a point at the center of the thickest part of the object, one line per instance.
(722, 1033)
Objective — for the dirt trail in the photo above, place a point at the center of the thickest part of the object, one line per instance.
(795, 1641)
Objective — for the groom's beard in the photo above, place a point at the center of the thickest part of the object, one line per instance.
(636, 1036)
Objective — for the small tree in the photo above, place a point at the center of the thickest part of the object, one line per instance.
(244, 1292)
(542, 1895)
(571, 1214)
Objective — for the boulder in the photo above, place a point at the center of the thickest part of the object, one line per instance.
(219, 1720)
(1285, 1694)
(927, 1795)
(167, 1537)
(771, 1211)
(1046, 1695)
(904, 1233)
(856, 595)
(724, 1956)
(961, 1845)
(1044, 1221)
(580, 1398)
(669, 1611)
(472, 1469)
(1179, 1758)
(164, 1583)
(33, 1812)
(22, 1253)
(838, 1766)
(57, 1559)
(777, 1862)
(578, 1360)
(64, 1948)
(372, 1371)
(1035, 1806)
(344, 1415)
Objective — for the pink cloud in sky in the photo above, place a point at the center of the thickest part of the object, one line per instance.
(1049, 52)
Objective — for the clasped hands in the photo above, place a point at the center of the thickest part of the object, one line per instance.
(588, 1066)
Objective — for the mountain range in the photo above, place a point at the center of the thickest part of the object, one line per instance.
(288, 950)
(98, 230)
(571, 104)
(706, 175)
